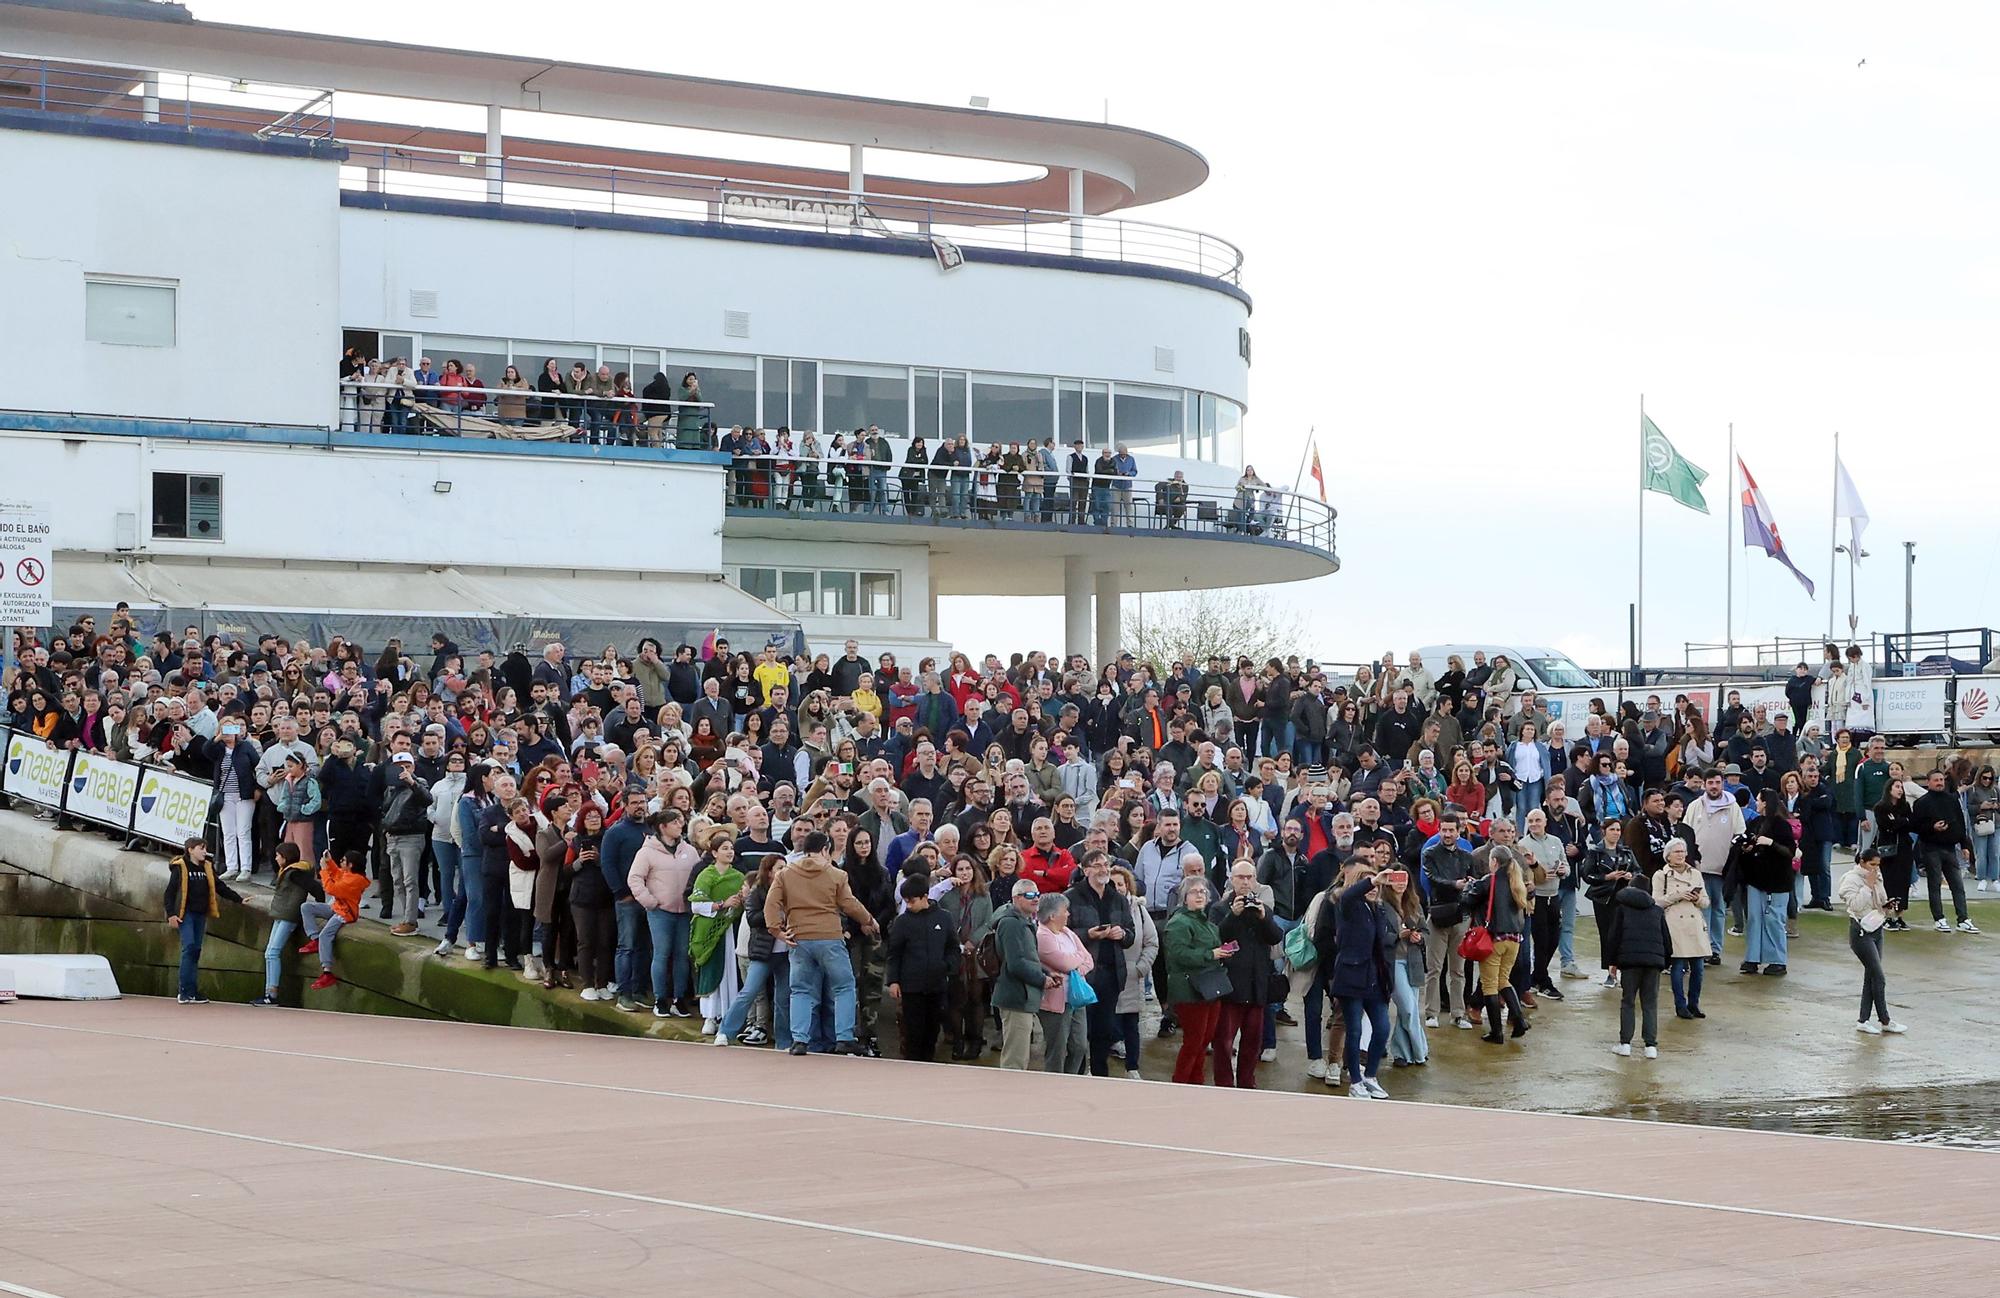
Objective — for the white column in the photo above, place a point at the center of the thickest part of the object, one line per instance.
(1076, 211)
(495, 144)
(934, 606)
(149, 105)
(1076, 604)
(1110, 619)
(374, 175)
(857, 169)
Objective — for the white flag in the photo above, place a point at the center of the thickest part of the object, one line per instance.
(1847, 504)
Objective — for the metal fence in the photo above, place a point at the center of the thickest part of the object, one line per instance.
(380, 405)
(122, 93)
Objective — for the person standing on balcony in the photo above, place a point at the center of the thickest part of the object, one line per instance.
(1103, 474)
(916, 476)
(690, 420)
(549, 383)
(400, 397)
(1044, 458)
(574, 387)
(1127, 469)
(1079, 481)
(880, 456)
(1012, 465)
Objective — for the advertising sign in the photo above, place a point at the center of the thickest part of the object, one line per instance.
(171, 809)
(35, 771)
(27, 556)
(1977, 708)
(101, 789)
(1910, 705)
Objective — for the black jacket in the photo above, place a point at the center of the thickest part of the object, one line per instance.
(1814, 809)
(1926, 811)
(923, 950)
(1250, 969)
(1635, 933)
(1508, 919)
(1769, 868)
(1367, 943)
(1087, 911)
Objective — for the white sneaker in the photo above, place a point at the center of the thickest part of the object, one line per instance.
(442, 948)
(1333, 1077)
(1944, 925)
(1571, 971)
(721, 1040)
(1316, 1068)
(1132, 1075)
(590, 994)
(1462, 1022)
(659, 1009)
(1981, 887)
(1652, 1052)
(1375, 1088)
(608, 992)
(1268, 1057)
(1967, 926)
(1894, 1027)
(707, 1026)
(1622, 1048)
(1358, 1090)
(474, 951)
(1611, 978)
(1430, 1020)
(1870, 1026)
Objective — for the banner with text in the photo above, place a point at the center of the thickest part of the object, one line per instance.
(1976, 710)
(171, 808)
(101, 789)
(1911, 705)
(35, 770)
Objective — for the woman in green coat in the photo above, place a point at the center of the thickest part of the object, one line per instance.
(1192, 946)
(717, 902)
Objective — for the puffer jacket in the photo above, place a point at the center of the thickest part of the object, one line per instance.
(1635, 936)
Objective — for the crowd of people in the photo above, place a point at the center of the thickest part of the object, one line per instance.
(1038, 850)
(1034, 480)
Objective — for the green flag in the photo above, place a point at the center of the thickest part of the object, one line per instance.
(1666, 472)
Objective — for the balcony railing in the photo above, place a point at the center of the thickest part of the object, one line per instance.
(122, 93)
(823, 486)
(373, 405)
(721, 200)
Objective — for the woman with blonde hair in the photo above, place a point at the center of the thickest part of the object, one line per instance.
(1498, 903)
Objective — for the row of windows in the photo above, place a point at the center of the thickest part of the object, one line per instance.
(831, 593)
(833, 396)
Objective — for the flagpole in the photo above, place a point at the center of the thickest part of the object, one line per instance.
(1833, 539)
(1729, 559)
(1299, 477)
(1639, 631)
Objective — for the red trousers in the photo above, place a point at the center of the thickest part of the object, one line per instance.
(1197, 1031)
(1239, 1036)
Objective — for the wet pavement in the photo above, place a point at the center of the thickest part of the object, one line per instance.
(1773, 1053)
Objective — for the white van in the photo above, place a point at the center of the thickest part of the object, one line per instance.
(1544, 668)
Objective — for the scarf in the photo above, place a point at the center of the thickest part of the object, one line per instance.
(705, 932)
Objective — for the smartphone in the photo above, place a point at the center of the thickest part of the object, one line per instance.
(1229, 948)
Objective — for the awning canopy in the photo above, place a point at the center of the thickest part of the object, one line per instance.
(477, 609)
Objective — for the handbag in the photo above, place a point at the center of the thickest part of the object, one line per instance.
(1477, 943)
(1210, 984)
(1300, 953)
(1079, 991)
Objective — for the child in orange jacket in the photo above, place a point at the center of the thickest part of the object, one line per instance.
(323, 920)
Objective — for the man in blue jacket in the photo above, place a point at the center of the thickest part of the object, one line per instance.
(614, 856)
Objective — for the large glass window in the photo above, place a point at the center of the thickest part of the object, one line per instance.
(1084, 411)
(1149, 419)
(955, 405)
(795, 590)
(836, 594)
(486, 356)
(1011, 408)
(728, 381)
(1203, 447)
(791, 394)
(187, 507)
(855, 396)
(878, 594)
(1229, 433)
(940, 404)
(759, 582)
(928, 412)
(530, 354)
(130, 312)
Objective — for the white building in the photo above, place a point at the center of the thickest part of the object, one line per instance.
(220, 210)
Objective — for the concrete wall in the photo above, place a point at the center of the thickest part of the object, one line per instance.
(251, 239)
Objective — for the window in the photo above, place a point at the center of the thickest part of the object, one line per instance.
(878, 594)
(791, 394)
(836, 594)
(187, 507)
(940, 404)
(485, 358)
(1149, 419)
(759, 582)
(728, 381)
(1085, 410)
(1011, 408)
(795, 591)
(1228, 448)
(130, 312)
(855, 396)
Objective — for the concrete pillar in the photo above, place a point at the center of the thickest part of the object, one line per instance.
(496, 144)
(1076, 211)
(1076, 604)
(374, 175)
(857, 169)
(934, 606)
(1110, 619)
(149, 104)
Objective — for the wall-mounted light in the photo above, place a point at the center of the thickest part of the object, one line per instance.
(442, 487)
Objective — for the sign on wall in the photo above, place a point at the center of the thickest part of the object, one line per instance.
(35, 771)
(1908, 705)
(1976, 710)
(101, 789)
(171, 808)
(27, 560)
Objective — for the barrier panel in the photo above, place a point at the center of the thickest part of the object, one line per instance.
(1976, 709)
(170, 808)
(101, 789)
(1911, 705)
(36, 772)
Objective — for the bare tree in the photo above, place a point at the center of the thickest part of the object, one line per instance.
(1191, 626)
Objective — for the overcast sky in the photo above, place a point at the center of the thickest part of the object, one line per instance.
(1475, 234)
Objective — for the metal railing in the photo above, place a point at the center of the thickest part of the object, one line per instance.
(123, 93)
(722, 200)
(379, 405)
(812, 486)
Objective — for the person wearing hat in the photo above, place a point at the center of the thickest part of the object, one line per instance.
(1021, 982)
(406, 823)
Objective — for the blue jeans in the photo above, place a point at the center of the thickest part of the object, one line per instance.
(193, 929)
(1716, 906)
(472, 883)
(1100, 505)
(670, 953)
(1279, 988)
(878, 490)
(1406, 1040)
(1315, 1013)
(274, 950)
(1526, 799)
(775, 974)
(1986, 857)
(451, 890)
(958, 488)
(1376, 1010)
(1566, 938)
(632, 932)
(1308, 752)
(1686, 976)
(1764, 926)
(1276, 737)
(822, 963)
(1817, 867)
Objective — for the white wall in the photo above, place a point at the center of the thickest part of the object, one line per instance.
(252, 238)
(380, 506)
(512, 279)
(910, 563)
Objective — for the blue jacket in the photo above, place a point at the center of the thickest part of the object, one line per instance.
(621, 844)
(1361, 963)
(471, 854)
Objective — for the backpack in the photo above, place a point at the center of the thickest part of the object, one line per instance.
(988, 955)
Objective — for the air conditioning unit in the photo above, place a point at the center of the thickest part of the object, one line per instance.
(1163, 360)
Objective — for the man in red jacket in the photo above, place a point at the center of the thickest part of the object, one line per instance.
(1047, 865)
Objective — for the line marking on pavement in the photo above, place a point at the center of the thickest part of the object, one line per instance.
(684, 1205)
(23, 1291)
(1237, 1155)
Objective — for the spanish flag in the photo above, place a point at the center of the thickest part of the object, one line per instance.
(1318, 476)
